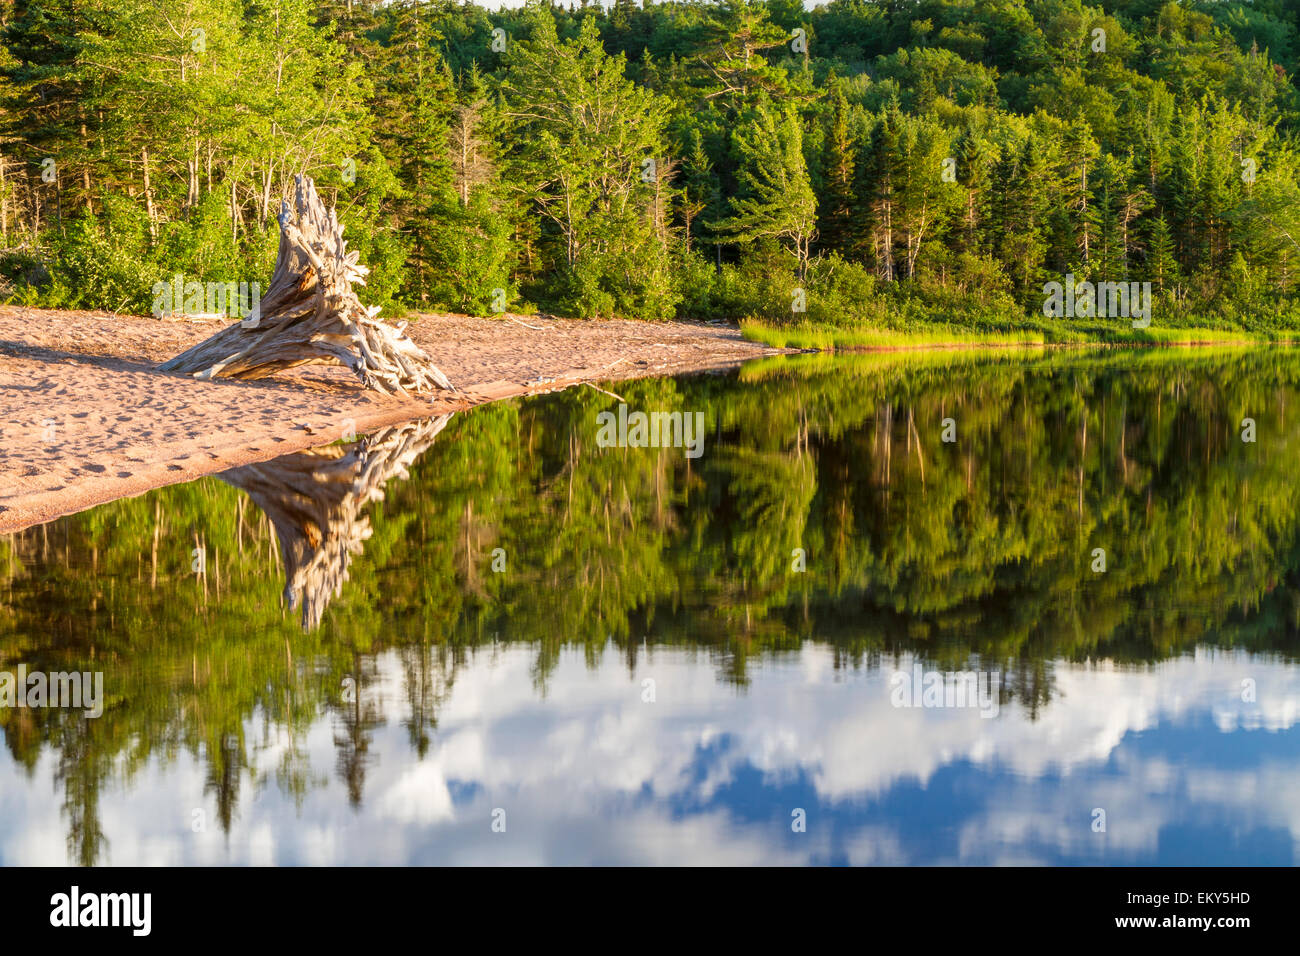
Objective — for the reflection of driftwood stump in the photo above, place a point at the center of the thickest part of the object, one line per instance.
(311, 316)
(315, 500)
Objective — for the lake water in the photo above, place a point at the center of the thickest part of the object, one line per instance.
(944, 608)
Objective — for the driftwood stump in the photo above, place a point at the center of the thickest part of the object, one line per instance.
(310, 315)
(315, 499)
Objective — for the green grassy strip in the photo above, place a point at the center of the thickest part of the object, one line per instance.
(848, 339)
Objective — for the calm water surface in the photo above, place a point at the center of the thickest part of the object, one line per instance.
(487, 639)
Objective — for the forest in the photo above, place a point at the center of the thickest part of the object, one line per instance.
(916, 166)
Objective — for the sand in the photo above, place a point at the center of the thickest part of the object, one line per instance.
(85, 417)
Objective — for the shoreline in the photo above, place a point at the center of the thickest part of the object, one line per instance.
(832, 339)
(86, 418)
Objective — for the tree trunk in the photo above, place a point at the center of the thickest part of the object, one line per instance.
(148, 196)
(85, 171)
(311, 316)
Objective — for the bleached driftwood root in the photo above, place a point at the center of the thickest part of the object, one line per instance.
(315, 500)
(311, 315)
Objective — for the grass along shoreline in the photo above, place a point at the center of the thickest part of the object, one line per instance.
(830, 339)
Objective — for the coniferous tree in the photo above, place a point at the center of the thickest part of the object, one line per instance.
(776, 201)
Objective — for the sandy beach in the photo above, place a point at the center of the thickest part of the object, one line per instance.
(85, 417)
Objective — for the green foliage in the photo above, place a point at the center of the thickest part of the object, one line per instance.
(962, 154)
(776, 199)
(470, 257)
(585, 147)
(104, 262)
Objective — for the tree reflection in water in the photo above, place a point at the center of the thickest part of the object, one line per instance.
(978, 550)
(316, 500)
